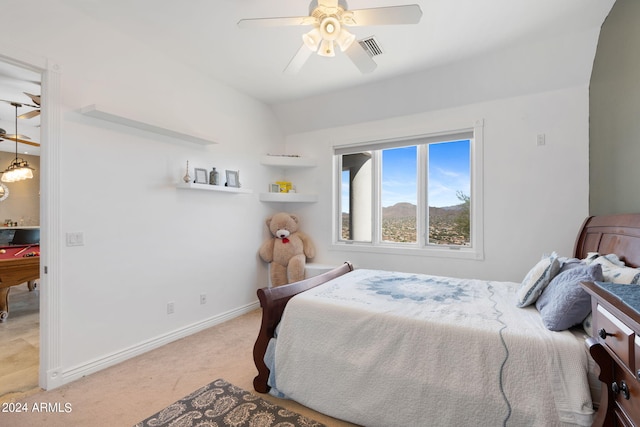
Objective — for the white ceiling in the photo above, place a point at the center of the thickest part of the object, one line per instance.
(204, 34)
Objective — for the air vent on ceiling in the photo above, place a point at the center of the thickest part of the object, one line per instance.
(370, 44)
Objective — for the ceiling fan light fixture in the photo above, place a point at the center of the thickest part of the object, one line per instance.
(326, 48)
(330, 28)
(312, 39)
(345, 39)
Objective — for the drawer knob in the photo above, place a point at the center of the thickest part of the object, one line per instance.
(602, 333)
(622, 388)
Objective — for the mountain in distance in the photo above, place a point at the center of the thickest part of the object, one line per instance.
(408, 210)
(399, 210)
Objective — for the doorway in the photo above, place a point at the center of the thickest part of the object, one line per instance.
(20, 91)
(44, 74)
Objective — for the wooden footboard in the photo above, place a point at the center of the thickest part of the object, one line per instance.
(273, 302)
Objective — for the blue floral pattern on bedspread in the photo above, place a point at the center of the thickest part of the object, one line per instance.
(416, 288)
(424, 296)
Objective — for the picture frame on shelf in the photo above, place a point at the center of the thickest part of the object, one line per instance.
(274, 188)
(201, 176)
(233, 178)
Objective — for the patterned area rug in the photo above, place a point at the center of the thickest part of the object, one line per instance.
(222, 404)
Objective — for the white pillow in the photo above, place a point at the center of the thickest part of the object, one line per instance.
(537, 279)
(614, 270)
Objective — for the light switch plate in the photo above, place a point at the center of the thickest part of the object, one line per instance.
(75, 239)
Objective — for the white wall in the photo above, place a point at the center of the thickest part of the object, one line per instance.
(146, 243)
(535, 198)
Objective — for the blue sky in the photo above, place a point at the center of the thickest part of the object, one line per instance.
(448, 173)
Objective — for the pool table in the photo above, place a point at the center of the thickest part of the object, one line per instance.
(18, 264)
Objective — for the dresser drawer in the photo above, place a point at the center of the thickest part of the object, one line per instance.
(616, 335)
(630, 406)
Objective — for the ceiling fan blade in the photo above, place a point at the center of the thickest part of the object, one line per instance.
(361, 58)
(392, 15)
(298, 60)
(276, 22)
(20, 104)
(34, 98)
(12, 136)
(29, 114)
(22, 141)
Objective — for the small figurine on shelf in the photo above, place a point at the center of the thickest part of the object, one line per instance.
(213, 177)
(186, 177)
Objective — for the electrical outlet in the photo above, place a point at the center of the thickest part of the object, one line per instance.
(170, 308)
(203, 298)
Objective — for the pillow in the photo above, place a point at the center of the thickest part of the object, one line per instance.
(537, 279)
(614, 270)
(611, 258)
(564, 303)
(622, 275)
(568, 263)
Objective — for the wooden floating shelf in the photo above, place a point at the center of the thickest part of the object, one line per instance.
(207, 187)
(288, 161)
(288, 197)
(102, 114)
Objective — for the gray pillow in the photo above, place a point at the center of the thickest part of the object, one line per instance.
(564, 303)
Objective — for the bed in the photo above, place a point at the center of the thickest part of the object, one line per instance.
(381, 348)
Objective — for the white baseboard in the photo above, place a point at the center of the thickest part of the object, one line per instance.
(72, 374)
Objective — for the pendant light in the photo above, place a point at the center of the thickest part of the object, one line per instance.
(19, 169)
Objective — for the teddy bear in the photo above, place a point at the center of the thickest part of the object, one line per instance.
(287, 250)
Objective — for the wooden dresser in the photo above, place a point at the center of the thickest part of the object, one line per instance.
(615, 346)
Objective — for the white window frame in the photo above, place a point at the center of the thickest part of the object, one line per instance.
(421, 248)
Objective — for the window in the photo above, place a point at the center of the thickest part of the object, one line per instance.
(419, 193)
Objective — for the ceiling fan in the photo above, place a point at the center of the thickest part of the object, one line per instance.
(29, 114)
(329, 19)
(32, 113)
(19, 137)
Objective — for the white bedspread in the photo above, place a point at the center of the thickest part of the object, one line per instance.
(396, 349)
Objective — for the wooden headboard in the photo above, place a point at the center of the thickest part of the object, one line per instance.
(611, 234)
